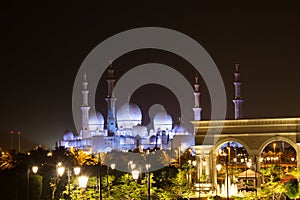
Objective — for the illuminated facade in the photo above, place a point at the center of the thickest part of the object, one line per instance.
(123, 130)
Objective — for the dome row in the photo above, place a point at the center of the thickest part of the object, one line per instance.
(128, 116)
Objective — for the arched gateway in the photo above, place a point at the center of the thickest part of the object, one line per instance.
(253, 134)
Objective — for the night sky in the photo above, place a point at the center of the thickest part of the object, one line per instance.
(43, 46)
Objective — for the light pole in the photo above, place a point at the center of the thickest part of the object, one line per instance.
(61, 171)
(34, 170)
(248, 166)
(112, 166)
(82, 182)
(219, 167)
(148, 182)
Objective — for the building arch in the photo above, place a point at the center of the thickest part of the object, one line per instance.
(276, 139)
(230, 139)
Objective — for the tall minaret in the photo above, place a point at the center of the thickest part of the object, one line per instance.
(197, 110)
(111, 101)
(85, 108)
(237, 93)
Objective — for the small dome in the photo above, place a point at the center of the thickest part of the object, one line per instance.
(162, 121)
(179, 129)
(140, 130)
(96, 120)
(68, 135)
(129, 115)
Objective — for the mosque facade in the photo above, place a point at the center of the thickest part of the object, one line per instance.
(122, 129)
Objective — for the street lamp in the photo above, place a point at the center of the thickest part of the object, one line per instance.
(135, 174)
(148, 184)
(82, 181)
(34, 170)
(76, 171)
(248, 166)
(219, 167)
(60, 169)
(112, 166)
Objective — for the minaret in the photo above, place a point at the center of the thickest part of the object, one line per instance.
(197, 110)
(111, 101)
(85, 108)
(237, 93)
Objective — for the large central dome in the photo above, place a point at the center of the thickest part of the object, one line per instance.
(162, 121)
(129, 115)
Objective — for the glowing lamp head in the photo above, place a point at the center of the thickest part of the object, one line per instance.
(194, 163)
(135, 174)
(82, 181)
(60, 170)
(219, 167)
(35, 169)
(76, 171)
(249, 164)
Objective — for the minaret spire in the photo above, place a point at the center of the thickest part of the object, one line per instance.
(237, 93)
(111, 100)
(197, 110)
(85, 108)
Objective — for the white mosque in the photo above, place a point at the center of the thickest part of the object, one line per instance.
(122, 130)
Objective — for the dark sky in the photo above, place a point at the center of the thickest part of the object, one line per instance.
(43, 46)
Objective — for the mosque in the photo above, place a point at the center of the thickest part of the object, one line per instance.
(122, 130)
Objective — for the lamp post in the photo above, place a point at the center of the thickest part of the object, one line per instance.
(148, 182)
(82, 182)
(112, 166)
(34, 170)
(248, 166)
(61, 171)
(219, 167)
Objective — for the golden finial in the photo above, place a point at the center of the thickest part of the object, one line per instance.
(110, 61)
(197, 78)
(237, 65)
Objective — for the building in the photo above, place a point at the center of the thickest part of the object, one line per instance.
(122, 129)
(253, 134)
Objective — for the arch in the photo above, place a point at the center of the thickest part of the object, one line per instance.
(230, 139)
(276, 139)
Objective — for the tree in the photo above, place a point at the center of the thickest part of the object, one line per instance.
(292, 189)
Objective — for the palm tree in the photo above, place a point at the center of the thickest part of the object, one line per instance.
(8, 160)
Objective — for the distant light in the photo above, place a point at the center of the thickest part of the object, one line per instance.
(148, 166)
(113, 166)
(292, 159)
